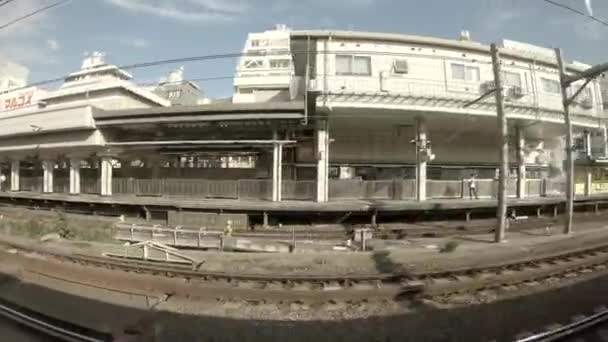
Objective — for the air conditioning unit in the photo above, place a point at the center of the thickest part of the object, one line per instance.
(542, 159)
(586, 103)
(516, 92)
(487, 86)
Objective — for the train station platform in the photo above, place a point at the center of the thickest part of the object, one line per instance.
(242, 205)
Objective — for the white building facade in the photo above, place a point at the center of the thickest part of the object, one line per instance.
(392, 106)
(42, 131)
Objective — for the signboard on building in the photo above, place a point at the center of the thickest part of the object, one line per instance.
(19, 99)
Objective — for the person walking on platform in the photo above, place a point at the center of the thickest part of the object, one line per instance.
(472, 182)
(2, 181)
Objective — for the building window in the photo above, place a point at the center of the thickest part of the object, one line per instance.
(512, 79)
(254, 64)
(465, 72)
(280, 63)
(259, 42)
(353, 65)
(550, 86)
(174, 94)
(279, 42)
(400, 66)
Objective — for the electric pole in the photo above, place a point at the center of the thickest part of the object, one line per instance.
(565, 82)
(499, 235)
(569, 143)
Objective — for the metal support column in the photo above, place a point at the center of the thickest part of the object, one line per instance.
(48, 166)
(277, 156)
(521, 164)
(74, 176)
(322, 149)
(15, 166)
(588, 170)
(605, 140)
(421, 159)
(106, 175)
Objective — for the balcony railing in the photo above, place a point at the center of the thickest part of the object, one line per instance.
(457, 91)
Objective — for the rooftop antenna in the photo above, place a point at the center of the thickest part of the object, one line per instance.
(465, 36)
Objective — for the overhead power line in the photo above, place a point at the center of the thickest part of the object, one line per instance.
(6, 2)
(231, 55)
(579, 12)
(31, 14)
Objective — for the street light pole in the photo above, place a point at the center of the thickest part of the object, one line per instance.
(569, 143)
(499, 235)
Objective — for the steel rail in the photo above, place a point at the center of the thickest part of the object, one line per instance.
(407, 281)
(569, 329)
(45, 327)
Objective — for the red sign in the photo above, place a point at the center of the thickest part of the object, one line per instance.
(18, 99)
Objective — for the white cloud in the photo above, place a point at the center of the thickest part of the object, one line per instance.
(296, 6)
(26, 42)
(186, 10)
(226, 10)
(52, 44)
(590, 30)
(583, 28)
(135, 42)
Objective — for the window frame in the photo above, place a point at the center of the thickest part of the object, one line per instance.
(247, 64)
(466, 69)
(351, 64)
(543, 82)
(277, 60)
(515, 73)
(174, 94)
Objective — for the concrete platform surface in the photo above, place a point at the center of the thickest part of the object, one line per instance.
(346, 205)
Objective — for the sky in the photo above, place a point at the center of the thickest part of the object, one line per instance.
(53, 43)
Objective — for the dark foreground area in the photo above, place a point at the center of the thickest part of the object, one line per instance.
(499, 321)
(10, 331)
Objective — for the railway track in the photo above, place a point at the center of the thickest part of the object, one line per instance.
(50, 327)
(582, 328)
(438, 286)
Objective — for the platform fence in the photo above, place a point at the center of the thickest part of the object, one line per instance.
(303, 190)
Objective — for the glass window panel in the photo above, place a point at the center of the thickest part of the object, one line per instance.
(550, 86)
(458, 71)
(362, 65)
(472, 73)
(344, 64)
(512, 79)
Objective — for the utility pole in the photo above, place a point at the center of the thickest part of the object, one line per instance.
(569, 143)
(565, 82)
(499, 235)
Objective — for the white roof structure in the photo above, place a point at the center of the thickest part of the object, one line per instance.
(96, 75)
(12, 75)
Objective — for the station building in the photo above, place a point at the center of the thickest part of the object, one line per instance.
(315, 116)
